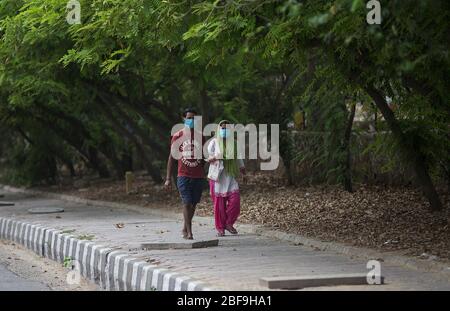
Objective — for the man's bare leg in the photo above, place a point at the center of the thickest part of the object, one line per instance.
(192, 212)
(191, 216)
(184, 231)
(187, 208)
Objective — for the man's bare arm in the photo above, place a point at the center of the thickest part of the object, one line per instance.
(168, 182)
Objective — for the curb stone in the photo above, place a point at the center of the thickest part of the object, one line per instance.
(358, 252)
(111, 269)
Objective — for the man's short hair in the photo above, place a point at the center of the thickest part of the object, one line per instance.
(187, 110)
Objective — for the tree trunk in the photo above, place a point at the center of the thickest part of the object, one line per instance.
(411, 154)
(152, 170)
(205, 106)
(75, 142)
(144, 137)
(127, 157)
(67, 162)
(83, 134)
(143, 109)
(71, 169)
(286, 155)
(98, 165)
(348, 185)
(160, 126)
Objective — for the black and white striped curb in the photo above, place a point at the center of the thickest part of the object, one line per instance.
(111, 269)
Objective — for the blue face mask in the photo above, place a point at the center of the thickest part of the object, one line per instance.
(189, 123)
(224, 133)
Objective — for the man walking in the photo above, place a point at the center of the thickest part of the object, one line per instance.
(191, 175)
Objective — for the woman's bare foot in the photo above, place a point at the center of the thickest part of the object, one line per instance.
(220, 233)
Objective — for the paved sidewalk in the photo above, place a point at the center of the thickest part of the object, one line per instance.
(236, 264)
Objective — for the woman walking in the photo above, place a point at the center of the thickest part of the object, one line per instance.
(223, 171)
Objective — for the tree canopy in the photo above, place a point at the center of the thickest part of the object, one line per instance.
(100, 91)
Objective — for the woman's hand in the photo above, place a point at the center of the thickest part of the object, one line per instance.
(212, 159)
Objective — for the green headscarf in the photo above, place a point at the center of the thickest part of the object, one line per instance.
(229, 155)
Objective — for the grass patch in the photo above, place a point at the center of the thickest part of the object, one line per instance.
(68, 231)
(88, 237)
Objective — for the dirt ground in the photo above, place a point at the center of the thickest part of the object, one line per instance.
(30, 266)
(382, 218)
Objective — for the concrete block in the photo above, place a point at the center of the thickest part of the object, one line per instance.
(179, 245)
(297, 282)
(45, 210)
(129, 179)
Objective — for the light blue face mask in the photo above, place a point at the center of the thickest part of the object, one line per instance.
(224, 133)
(189, 123)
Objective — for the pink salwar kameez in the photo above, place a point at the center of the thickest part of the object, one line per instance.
(224, 194)
(226, 207)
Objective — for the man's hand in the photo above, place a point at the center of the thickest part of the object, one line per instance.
(168, 184)
(211, 159)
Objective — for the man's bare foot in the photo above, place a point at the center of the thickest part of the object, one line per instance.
(184, 234)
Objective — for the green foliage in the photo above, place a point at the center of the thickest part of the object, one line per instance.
(29, 165)
(67, 263)
(88, 92)
(87, 237)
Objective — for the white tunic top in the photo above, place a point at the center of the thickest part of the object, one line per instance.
(225, 184)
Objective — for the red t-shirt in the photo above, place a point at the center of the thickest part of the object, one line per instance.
(188, 165)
